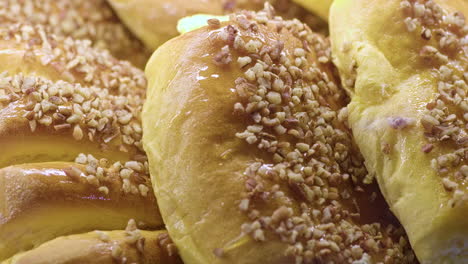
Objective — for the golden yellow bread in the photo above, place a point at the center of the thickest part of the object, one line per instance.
(405, 64)
(249, 152)
(319, 7)
(155, 21)
(289, 9)
(40, 201)
(101, 247)
(191, 23)
(79, 19)
(64, 101)
(65, 90)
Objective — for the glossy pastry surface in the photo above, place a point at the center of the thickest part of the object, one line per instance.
(103, 247)
(406, 70)
(250, 156)
(70, 132)
(39, 202)
(155, 21)
(63, 89)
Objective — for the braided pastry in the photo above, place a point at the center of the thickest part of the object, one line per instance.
(101, 247)
(80, 19)
(70, 129)
(85, 99)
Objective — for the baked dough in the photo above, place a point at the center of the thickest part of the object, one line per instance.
(39, 202)
(103, 247)
(63, 90)
(66, 102)
(405, 65)
(155, 21)
(249, 152)
(93, 20)
(319, 7)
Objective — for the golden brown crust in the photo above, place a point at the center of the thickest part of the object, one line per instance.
(41, 201)
(141, 16)
(290, 9)
(87, 118)
(249, 152)
(63, 88)
(61, 97)
(319, 7)
(154, 22)
(404, 64)
(29, 48)
(101, 247)
(80, 19)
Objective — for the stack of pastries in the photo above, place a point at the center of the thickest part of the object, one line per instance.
(279, 131)
(74, 183)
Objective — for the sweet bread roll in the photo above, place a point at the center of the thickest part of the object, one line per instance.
(31, 49)
(100, 247)
(249, 152)
(289, 9)
(319, 7)
(40, 201)
(60, 98)
(93, 20)
(405, 64)
(155, 21)
(63, 90)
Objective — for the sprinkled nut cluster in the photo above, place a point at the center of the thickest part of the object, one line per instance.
(287, 9)
(74, 60)
(133, 238)
(78, 89)
(296, 112)
(96, 98)
(165, 242)
(133, 175)
(79, 19)
(112, 121)
(445, 121)
(100, 100)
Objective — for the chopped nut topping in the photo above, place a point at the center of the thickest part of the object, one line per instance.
(223, 57)
(80, 120)
(133, 175)
(104, 190)
(132, 233)
(213, 22)
(75, 61)
(165, 242)
(91, 20)
(74, 173)
(444, 121)
(102, 236)
(100, 102)
(297, 117)
(427, 148)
